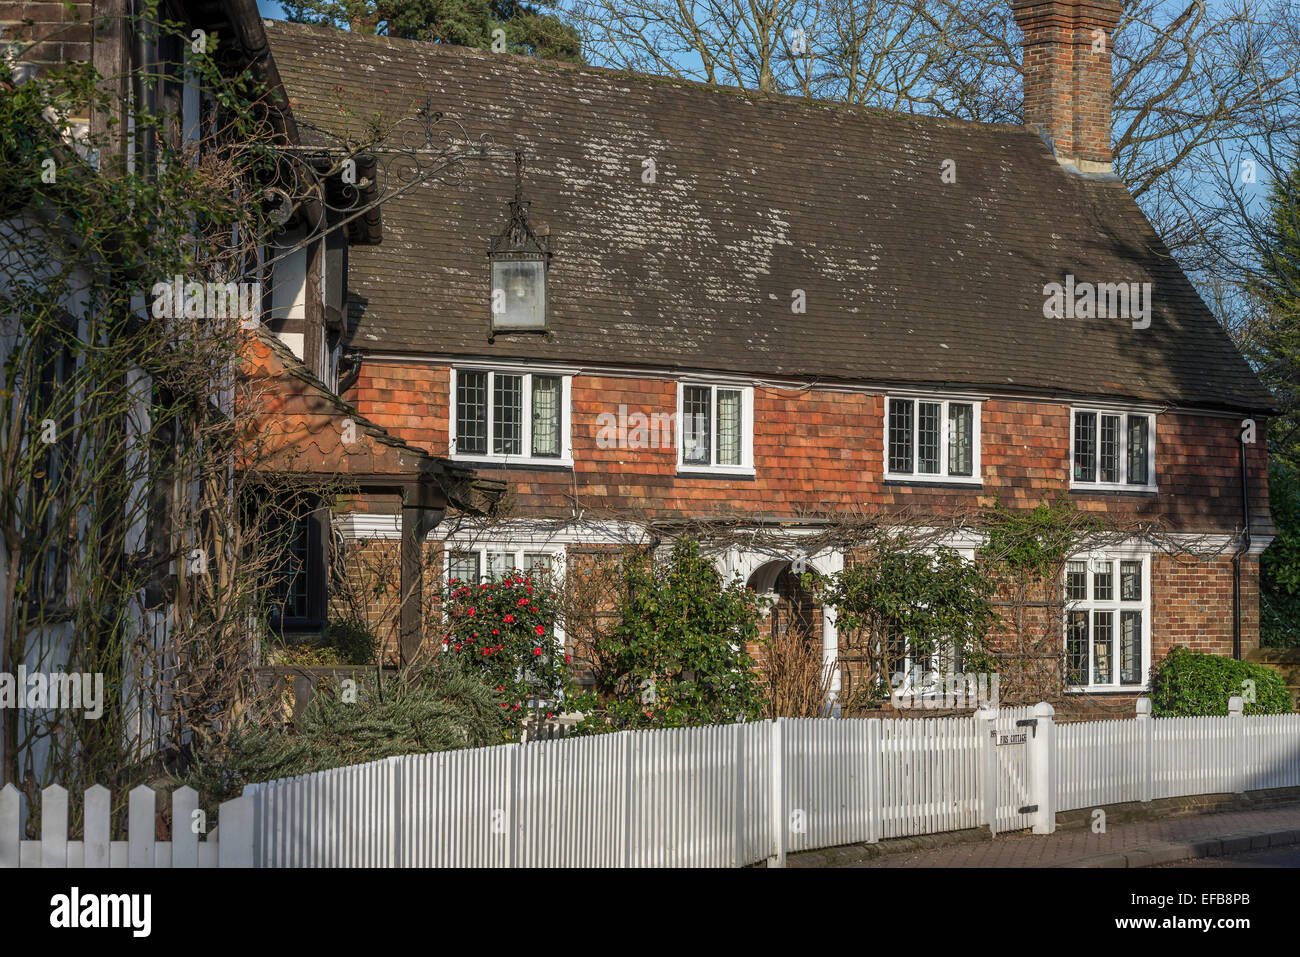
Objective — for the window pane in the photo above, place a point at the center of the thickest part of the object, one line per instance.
(900, 435)
(1103, 625)
(1130, 581)
(1076, 647)
(537, 561)
(961, 439)
(1110, 448)
(928, 415)
(546, 415)
(471, 412)
(519, 290)
(695, 425)
(1130, 647)
(507, 414)
(1103, 581)
(498, 562)
(1085, 446)
(1137, 449)
(1076, 581)
(729, 426)
(464, 567)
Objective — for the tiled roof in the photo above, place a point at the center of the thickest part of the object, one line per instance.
(907, 279)
(303, 428)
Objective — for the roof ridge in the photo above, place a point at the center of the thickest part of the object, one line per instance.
(738, 92)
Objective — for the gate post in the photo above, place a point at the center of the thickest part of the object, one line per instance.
(985, 719)
(777, 796)
(1042, 768)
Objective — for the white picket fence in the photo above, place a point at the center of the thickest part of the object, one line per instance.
(715, 796)
(232, 847)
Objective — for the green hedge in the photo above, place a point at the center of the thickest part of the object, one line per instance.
(1187, 683)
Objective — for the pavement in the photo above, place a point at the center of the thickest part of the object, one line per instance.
(1132, 839)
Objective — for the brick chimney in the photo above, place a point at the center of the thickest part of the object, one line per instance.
(1067, 76)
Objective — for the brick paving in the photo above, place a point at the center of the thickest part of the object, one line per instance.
(1071, 846)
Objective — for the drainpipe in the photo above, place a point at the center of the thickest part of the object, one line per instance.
(1241, 550)
(144, 91)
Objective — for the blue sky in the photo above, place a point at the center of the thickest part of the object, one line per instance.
(270, 9)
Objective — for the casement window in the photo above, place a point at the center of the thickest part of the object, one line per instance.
(1107, 622)
(715, 428)
(1112, 449)
(520, 417)
(935, 440)
(479, 563)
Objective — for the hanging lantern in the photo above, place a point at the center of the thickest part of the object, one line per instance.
(519, 262)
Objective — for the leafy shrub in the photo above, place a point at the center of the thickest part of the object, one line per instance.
(503, 631)
(914, 602)
(437, 708)
(677, 656)
(352, 639)
(1186, 683)
(1279, 566)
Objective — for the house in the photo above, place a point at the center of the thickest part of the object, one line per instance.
(305, 437)
(762, 312)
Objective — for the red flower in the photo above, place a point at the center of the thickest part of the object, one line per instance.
(537, 651)
(458, 647)
(523, 601)
(496, 631)
(508, 619)
(539, 630)
(471, 612)
(566, 659)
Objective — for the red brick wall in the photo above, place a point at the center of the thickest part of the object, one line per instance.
(818, 452)
(1191, 604)
(63, 34)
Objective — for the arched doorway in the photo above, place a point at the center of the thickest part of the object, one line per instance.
(795, 611)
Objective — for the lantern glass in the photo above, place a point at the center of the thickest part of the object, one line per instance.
(518, 294)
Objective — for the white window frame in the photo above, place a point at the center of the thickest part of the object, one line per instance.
(927, 689)
(565, 458)
(1114, 605)
(746, 466)
(941, 477)
(1122, 484)
(514, 550)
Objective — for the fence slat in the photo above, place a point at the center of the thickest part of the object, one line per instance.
(185, 835)
(54, 827)
(10, 826)
(140, 816)
(97, 811)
